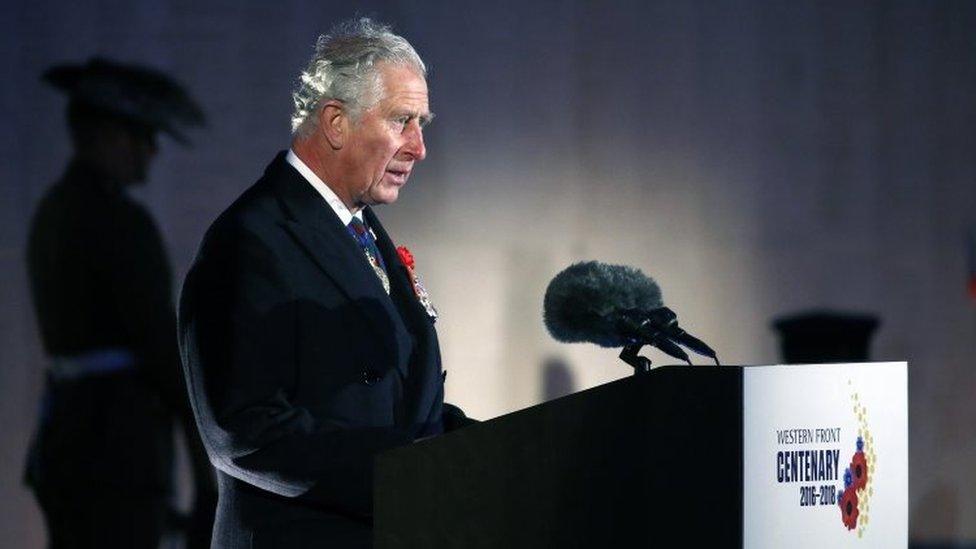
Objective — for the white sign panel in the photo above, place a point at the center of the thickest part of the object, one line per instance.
(825, 456)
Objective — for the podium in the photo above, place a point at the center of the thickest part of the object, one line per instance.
(705, 456)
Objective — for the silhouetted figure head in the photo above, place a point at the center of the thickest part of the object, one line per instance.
(115, 112)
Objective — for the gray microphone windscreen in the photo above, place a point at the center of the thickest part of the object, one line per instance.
(583, 302)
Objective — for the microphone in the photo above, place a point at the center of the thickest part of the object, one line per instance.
(665, 320)
(614, 306)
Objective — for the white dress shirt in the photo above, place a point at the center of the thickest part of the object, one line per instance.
(328, 194)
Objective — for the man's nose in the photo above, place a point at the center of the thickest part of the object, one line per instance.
(415, 141)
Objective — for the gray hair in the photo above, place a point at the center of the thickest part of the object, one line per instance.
(343, 68)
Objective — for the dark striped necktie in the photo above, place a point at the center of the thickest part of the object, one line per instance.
(364, 237)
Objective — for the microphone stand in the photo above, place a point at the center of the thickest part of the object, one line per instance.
(641, 364)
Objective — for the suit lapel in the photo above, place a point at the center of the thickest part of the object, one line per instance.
(321, 234)
(401, 288)
(425, 385)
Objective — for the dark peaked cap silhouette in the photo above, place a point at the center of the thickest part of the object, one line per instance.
(133, 92)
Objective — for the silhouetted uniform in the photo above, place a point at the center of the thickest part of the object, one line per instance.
(101, 285)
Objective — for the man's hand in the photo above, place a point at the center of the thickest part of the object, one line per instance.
(454, 418)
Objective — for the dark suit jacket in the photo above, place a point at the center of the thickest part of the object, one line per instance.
(300, 367)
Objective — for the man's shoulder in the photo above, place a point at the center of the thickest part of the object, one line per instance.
(258, 209)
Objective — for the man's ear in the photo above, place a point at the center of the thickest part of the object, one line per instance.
(334, 123)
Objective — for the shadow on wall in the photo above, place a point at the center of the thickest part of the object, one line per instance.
(557, 378)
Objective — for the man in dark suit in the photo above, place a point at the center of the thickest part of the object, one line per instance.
(308, 345)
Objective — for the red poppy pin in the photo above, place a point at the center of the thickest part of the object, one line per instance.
(408, 261)
(405, 257)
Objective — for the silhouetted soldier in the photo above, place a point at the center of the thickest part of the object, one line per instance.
(101, 462)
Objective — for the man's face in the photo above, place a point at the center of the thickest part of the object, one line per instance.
(388, 138)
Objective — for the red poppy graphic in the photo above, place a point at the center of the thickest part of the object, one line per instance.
(848, 508)
(405, 257)
(859, 471)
